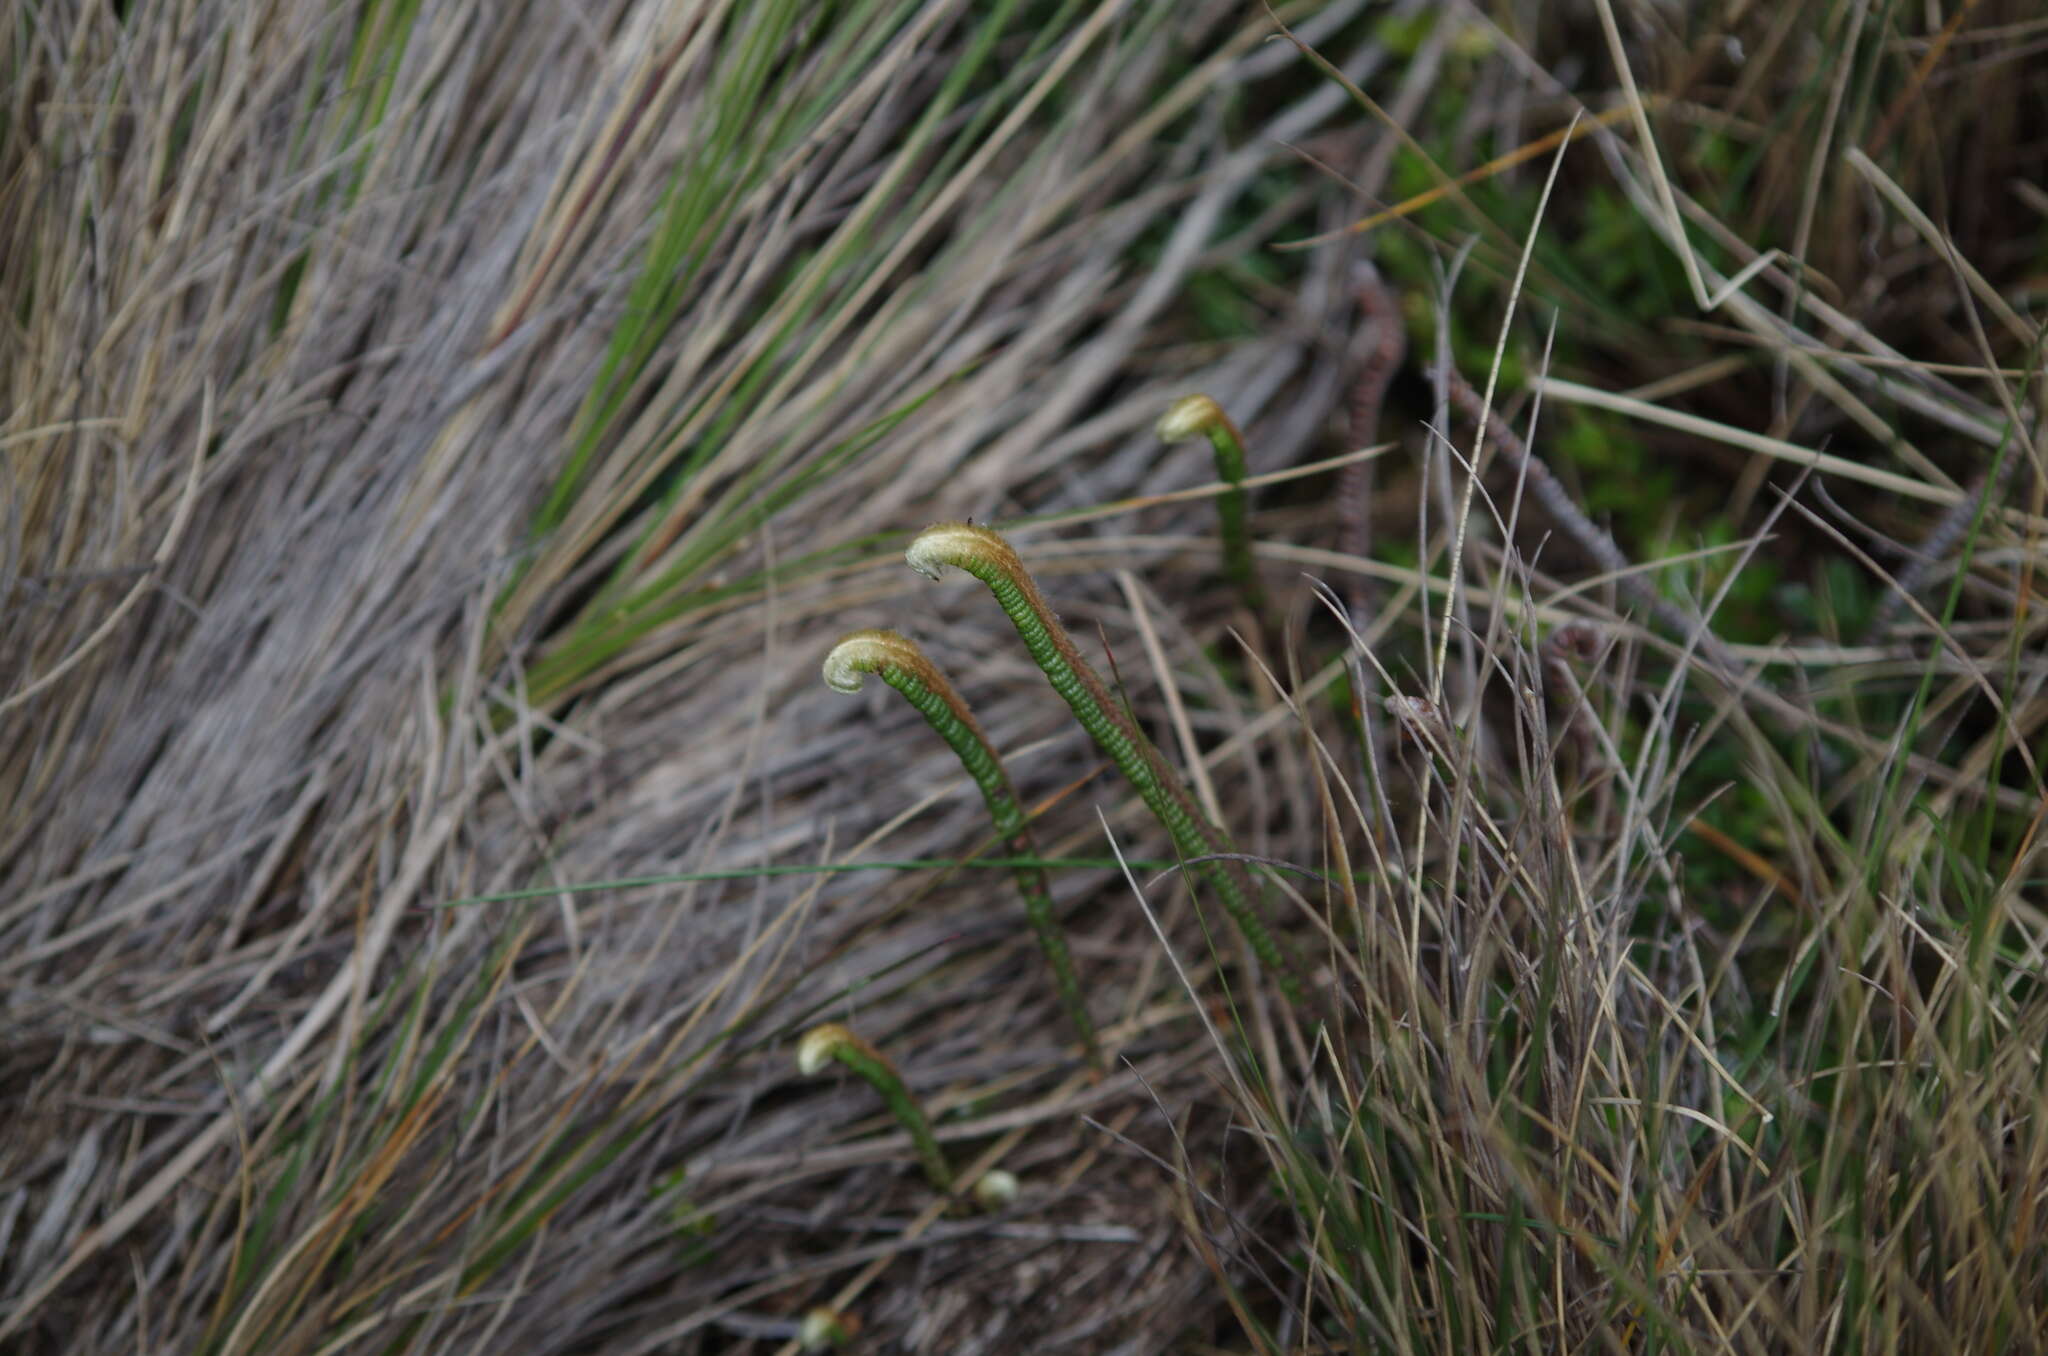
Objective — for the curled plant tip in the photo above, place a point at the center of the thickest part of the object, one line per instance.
(824, 1044)
(824, 1329)
(898, 661)
(1199, 415)
(995, 1189)
(860, 653)
(984, 554)
(956, 544)
(1190, 417)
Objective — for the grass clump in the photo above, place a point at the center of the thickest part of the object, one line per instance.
(416, 430)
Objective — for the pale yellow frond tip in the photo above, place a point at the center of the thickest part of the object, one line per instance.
(1189, 417)
(864, 652)
(824, 1329)
(944, 544)
(995, 1189)
(819, 1045)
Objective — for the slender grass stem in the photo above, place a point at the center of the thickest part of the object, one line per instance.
(983, 553)
(897, 661)
(823, 1044)
(1198, 414)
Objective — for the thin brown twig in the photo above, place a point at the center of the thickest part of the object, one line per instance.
(1936, 546)
(1382, 342)
(1590, 536)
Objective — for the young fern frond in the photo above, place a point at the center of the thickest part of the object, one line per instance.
(1198, 414)
(984, 554)
(996, 1188)
(821, 1045)
(897, 661)
(824, 1329)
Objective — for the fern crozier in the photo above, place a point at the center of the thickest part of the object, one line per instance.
(863, 652)
(823, 1044)
(960, 545)
(1189, 417)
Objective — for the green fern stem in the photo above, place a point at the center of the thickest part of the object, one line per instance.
(897, 661)
(1195, 414)
(984, 554)
(831, 1041)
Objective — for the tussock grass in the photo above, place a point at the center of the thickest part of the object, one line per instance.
(1587, 1098)
(440, 439)
(437, 438)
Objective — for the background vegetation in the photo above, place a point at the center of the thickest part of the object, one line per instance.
(442, 440)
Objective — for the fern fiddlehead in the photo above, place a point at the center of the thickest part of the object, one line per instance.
(897, 661)
(983, 553)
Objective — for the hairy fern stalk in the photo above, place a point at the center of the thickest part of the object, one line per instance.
(983, 553)
(897, 661)
(830, 1042)
(1198, 415)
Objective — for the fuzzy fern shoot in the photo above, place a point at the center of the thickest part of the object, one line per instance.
(983, 553)
(897, 661)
